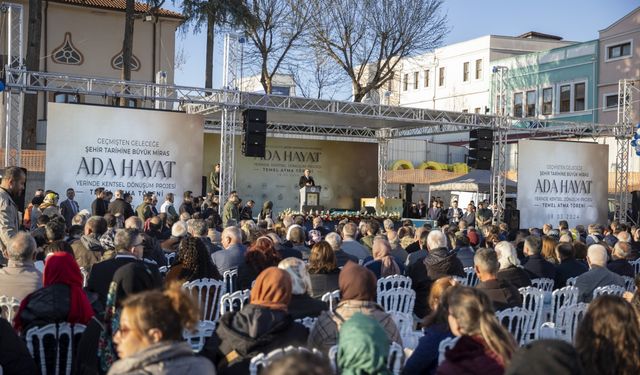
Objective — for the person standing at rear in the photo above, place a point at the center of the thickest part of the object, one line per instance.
(12, 186)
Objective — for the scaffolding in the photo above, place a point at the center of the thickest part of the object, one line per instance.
(500, 135)
(623, 134)
(14, 99)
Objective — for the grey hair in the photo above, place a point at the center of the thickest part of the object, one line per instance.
(21, 247)
(436, 239)
(388, 224)
(597, 255)
(133, 222)
(297, 269)
(124, 238)
(486, 260)
(507, 255)
(233, 232)
(334, 240)
(624, 236)
(197, 227)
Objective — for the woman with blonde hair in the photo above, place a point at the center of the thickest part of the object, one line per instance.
(149, 338)
(301, 304)
(383, 263)
(485, 346)
(549, 249)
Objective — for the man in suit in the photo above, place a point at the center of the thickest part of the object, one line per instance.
(69, 207)
(120, 206)
(598, 274)
(454, 215)
(129, 244)
(306, 179)
(99, 205)
(568, 267)
(536, 266)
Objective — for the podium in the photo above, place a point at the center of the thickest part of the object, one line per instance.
(310, 198)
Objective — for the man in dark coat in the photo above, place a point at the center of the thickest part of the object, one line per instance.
(99, 205)
(619, 263)
(568, 267)
(306, 179)
(120, 206)
(502, 294)
(536, 265)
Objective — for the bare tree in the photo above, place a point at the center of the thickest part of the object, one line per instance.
(278, 30)
(368, 38)
(320, 79)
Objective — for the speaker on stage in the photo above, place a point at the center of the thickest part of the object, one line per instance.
(254, 130)
(480, 149)
(512, 218)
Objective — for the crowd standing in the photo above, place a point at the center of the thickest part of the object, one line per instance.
(118, 270)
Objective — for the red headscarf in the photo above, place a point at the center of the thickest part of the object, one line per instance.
(61, 268)
(272, 289)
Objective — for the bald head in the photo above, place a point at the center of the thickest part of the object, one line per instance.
(621, 250)
(597, 255)
(133, 222)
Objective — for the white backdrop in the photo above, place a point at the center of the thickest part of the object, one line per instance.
(562, 181)
(134, 150)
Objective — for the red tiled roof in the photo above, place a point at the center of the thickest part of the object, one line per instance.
(119, 5)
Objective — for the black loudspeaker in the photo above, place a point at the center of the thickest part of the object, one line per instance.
(512, 218)
(480, 148)
(20, 200)
(406, 192)
(254, 128)
(204, 186)
(635, 204)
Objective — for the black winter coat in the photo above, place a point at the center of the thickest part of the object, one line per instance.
(14, 356)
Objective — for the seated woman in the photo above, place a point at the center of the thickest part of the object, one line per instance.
(485, 346)
(96, 351)
(60, 300)
(301, 305)
(510, 269)
(260, 256)
(424, 359)
(260, 327)
(608, 337)
(363, 347)
(149, 338)
(358, 294)
(383, 263)
(193, 262)
(323, 270)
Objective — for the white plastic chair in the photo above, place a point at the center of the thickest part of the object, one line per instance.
(163, 270)
(615, 290)
(395, 359)
(262, 360)
(567, 320)
(533, 300)
(460, 280)
(197, 338)
(404, 321)
(332, 298)
(543, 283)
(48, 339)
(8, 307)
(307, 322)
(208, 293)
(230, 278)
(572, 281)
(562, 297)
(397, 300)
(472, 278)
(394, 282)
(171, 257)
(636, 265)
(446, 344)
(516, 320)
(85, 276)
(234, 301)
(629, 284)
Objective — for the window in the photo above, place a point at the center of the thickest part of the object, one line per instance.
(281, 90)
(578, 97)
(441, 78)
(565, 98)
(531, 104)
(619, 51)
(465, 72)
(517, 104)
(66, 98)
(477, 110)
(405, 84)
(611, 101)
(479, 69)
(465, 111)
(130, 103)
(416, 79)
(390, 81)
(547, 101)
(426, 78)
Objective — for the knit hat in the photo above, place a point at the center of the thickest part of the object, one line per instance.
(545, 357)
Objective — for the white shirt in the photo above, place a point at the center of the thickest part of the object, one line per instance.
(165, 206)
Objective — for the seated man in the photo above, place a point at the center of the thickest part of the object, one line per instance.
(619, 263)
(536, 266)
(20, 277)
(502, 294)
(598, 274)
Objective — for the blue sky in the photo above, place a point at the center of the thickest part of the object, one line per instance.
(577, 20)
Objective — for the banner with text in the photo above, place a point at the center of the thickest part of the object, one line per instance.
(347, 171)
(134, 150)
(562, 181)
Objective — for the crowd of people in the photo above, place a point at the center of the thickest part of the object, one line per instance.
(104, 268)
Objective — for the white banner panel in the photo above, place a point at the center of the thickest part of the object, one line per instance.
(135, 150)
(562, 181)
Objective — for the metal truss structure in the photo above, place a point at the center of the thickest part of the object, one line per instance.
(623, 132)
(14, 100)
(383, 136)
(499, 162)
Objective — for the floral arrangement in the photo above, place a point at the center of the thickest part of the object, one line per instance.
(354, 216)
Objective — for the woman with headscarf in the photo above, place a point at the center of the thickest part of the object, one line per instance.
(383, 263)
(358, 294)
(267, 211)
(260, 327)
(363, 347)
(301, 305)
(259, 256)
(60, 300)
(193, 263)
(49, 206)
(96, 350)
